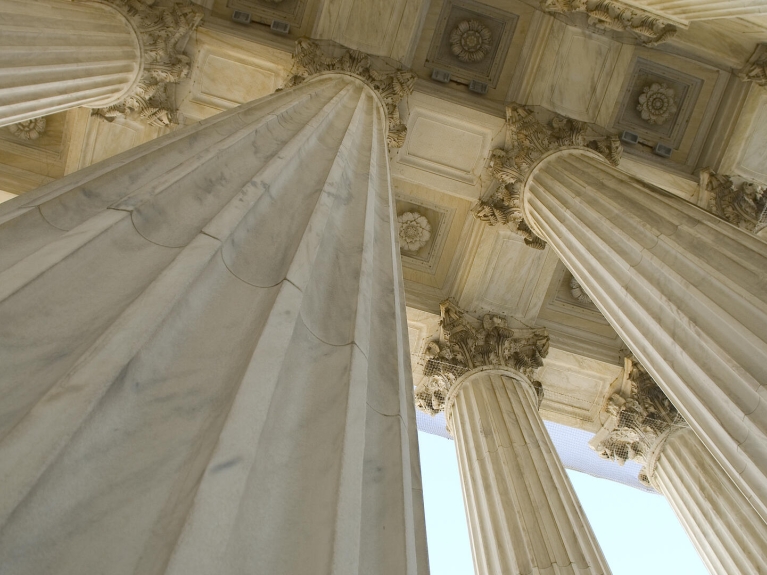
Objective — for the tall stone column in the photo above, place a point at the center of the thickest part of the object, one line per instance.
(685, 290)
(120, 55)
(204, 350)
(523, 514)
(641, 424)
(691, 10)
(727, 532)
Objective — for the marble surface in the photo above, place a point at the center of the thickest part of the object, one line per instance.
(204, 354)
(684, 290)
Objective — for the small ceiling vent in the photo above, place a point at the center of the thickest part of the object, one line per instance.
(629, 137)
(280, 27)
(440, 75)
(661, 150)
(241, 17)
(478, 87)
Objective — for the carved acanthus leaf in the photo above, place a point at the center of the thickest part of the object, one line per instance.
(28, 129)
(740, 202)
(528, 140)
(638, 416)
(161, 29)
(650, 29)
(309, 59)
(756, 67)
(468, 343)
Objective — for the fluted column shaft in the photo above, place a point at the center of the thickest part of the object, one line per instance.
(204, 354)
(691, 10)
(523, 515)
(685, 290)
(58, 54)
(727, 532)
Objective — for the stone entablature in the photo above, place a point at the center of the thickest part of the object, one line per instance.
(637, 419)
(310, 59)
(528, 139)
(468, 343)
(161, 28)
(648, 28)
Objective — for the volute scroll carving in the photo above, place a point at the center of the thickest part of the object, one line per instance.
(528, 139)
(309, 59)
(468, 343)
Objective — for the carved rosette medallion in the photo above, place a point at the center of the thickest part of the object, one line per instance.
(528, 140)
(743, 204)
(414, 231)
(470, 41)
(309, 59)
(161, 30)
(657, 103)
(28, 129)
(648, 28)
(638, 418)
(468, 343)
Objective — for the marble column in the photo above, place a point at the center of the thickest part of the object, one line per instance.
(690, 10)
(685, 290)
(728, 533)
(642, 425)
(204, 351)
(523, 514)
(58, 54)
(117, 56)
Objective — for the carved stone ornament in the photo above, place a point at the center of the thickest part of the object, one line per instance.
(577, 291)
(309, 59)
(28, 129)
(528, 139)
(755, 69)
(638, 417)
(161, 29)
(657, 103)
(741, 203)
(468, 343)
(470, 41)
(414, 231)
(650, 29)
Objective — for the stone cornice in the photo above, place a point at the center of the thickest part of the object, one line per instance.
(392, 86)
(529, 139)
(161, 28)
(468, 343)
(637, 418)
(648, 28)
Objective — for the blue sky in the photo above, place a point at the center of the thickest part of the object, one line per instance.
(629, 524)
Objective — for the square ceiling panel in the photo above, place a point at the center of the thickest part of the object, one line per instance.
(471, 41)
(657, 103)
(428, 248)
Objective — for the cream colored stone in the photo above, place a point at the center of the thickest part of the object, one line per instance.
(185, 353)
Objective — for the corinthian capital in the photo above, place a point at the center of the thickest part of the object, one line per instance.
(755, 69)
(468, 343)
(393, 85)
(648, 28)
(528, 138)
(162, 29)
(740, 202)
(637, 418)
